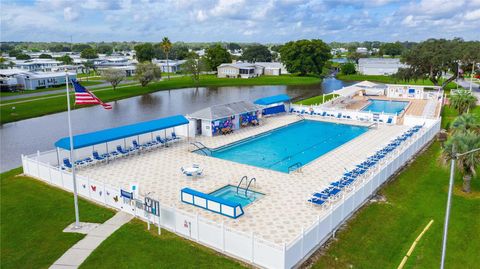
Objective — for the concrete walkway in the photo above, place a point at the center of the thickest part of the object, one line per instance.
(79, 252)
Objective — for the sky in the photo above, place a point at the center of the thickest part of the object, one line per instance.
(264, 21)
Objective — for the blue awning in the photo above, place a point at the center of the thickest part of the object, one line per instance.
(272, 99)
(103, 136)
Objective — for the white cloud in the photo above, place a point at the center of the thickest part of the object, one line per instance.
(69, 14)
(473, 15)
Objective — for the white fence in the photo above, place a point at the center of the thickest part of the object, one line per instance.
(224, 239)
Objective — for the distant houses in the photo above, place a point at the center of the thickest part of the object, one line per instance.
(20, 79)
(173, 66)
(250, 70)
(379, 66)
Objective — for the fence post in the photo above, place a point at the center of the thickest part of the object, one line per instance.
(223, 236)
(198, 227)
(301, 245)
(284, 255)
(174, 219)
(318, 229)
(253, 247)
(159, 219)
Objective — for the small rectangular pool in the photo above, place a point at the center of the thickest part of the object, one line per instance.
(229, 193)
(288, 148)
(385, 106)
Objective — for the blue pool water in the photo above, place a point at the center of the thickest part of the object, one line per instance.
(229, 193)
(385, 106)
(291, 146)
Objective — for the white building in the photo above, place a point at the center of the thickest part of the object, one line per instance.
(273, 68)
(172, 67)
(239, 70)
(39, 80)
(379, 66)
(362, 50)
(35, 65)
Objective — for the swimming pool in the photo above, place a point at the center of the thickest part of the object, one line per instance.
(385, 106)
(288, 148)
(229, 193)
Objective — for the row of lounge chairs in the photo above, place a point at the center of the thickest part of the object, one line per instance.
(361, 170)
(337, 115)
(120, 152)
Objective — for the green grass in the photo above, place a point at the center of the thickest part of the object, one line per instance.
(133, 246)
(391, 80)
(381, 233)
(33, 216)
(84, 83)
(36, 108)
(317, 99)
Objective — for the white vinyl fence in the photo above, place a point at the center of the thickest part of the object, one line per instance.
(240, 245)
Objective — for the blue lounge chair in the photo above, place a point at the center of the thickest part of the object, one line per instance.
(97, 156)
(291, 110)
(390, 120)
(174, 136)
(67, 163)
(160, 140)
(122, 151)
(317, 201)
(324, 113)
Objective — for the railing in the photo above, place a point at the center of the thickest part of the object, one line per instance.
(240, 183)
(294, 166)
(248, 186)
(202, 148)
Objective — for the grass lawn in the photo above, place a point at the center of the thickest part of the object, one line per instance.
(40, 107)
(391, 80)
(33, 216)
(317, 99)
(84, 83)
(133, 246)
(381, 233)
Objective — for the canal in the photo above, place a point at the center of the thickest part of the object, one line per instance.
(28, 136)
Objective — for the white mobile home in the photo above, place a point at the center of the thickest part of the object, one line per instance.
(379, 66)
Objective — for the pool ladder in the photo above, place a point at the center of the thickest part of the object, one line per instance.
(246, 184)
(202, 148)
(295, 167)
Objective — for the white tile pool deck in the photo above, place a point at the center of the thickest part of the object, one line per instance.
(280, 215)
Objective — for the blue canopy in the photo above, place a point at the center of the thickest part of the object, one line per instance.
(272, 99)
(103, 136)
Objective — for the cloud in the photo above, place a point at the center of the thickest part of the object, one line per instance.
(239, 20)
(69, 14)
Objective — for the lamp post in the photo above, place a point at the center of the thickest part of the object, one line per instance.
(450, 187)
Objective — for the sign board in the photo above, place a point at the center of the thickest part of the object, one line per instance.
(152, 206)
(126, 194)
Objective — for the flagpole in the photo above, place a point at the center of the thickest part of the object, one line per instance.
(72, 155)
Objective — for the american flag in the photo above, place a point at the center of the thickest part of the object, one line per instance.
(85, 97)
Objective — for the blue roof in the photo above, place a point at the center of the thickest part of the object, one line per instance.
(272, 99)
(103, 136)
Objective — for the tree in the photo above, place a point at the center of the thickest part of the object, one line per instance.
(80, 47)
(193, 66)
(59, 48)
(14, 52)
(392, 49)
(233, 46)
(467, 164)
(166, 47)
(462, 101)
(256, 53)
(89, 53)
(146, 72)
(305, 56)
(216, 55)
(144, 52)
(179, 51)
(88, 65)
(45, 56)
(354, 56)
(114, 76)
(348, 68)
(433, 57)
(65, 59)
(405, 74)
(23, 56)
(105, 49)
(466, 122)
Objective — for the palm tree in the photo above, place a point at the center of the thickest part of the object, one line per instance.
(166, 46)
(467, 164)
(466, 122)
(462, 101)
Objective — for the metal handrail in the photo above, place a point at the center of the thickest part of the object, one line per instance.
(202, 148)
(248, 186)
(238, 186)
(297, 165)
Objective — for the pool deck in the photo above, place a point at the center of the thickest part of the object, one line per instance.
(278, 216)
(417, 107)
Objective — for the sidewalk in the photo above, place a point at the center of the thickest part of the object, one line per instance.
(79, 252)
